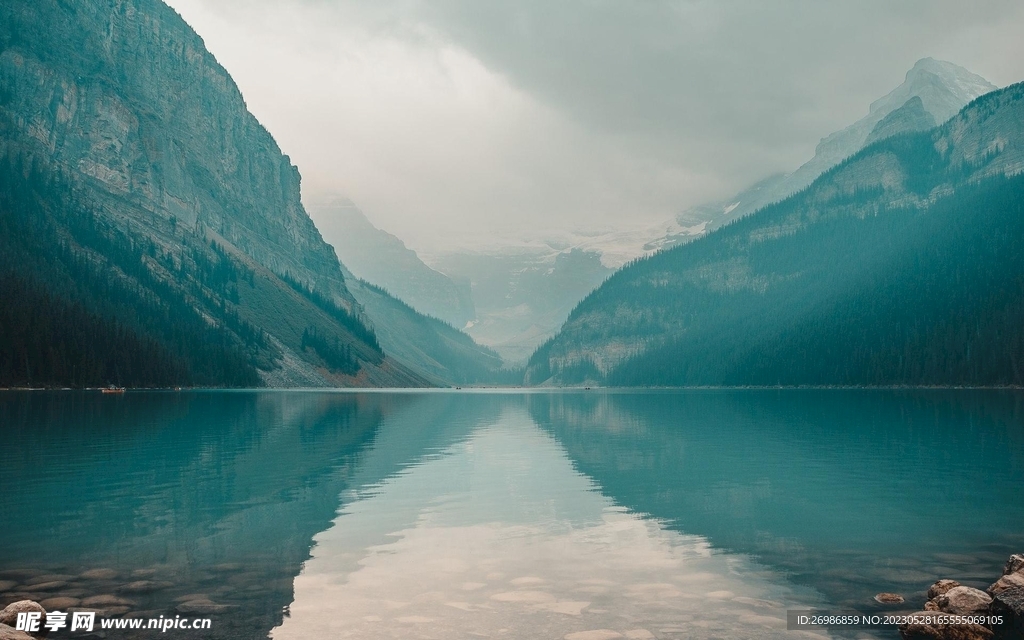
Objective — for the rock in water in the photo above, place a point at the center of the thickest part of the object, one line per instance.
(10, 633)
(1006, 582)
(924, 627)
(964, 601)
(1010, 605)
(1014, 565)
(9, 615)
(201, 607)
(144, 586)
(106, 600)
(889, 598)
(941, 587)
(58, 603)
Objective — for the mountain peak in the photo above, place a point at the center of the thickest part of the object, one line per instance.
(943, 87)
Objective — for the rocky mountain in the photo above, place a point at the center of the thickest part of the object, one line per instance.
(383, 259)
(148, 209)
(523, 294)
(901, 265)
(942, 88)
(912, 116)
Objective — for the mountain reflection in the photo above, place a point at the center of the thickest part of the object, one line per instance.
(213, 495)
(498, 535)
(667, 514)
(852, 492)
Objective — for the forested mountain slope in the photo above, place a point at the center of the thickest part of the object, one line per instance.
(902, 265)
(154, 230)
(433, 348)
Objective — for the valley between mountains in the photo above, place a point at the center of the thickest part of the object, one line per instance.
(153, 234)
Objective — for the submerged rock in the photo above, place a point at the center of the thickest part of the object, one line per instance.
(144, 586)
(941, 587)
(113, 612)
(9, 615)
(201, 607)
(594, 634)
(963, 601)
(54, 604)
(889, 598)
(106, 600)
(52, 585)
(49, 577)
(98, 574)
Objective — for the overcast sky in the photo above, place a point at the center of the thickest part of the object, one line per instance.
(447, 121)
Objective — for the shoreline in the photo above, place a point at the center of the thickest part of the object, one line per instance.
(552, 389)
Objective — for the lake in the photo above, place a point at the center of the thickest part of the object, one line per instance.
(444, 514)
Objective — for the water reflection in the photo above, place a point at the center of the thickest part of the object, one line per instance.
(499, 536)
(851, 492)
(191, 502)
(665, 514)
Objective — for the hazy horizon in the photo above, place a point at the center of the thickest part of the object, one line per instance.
(452, 123)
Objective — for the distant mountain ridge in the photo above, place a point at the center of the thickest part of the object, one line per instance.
(901, 265)
(523, 294)
(943, 89)
(383, 259)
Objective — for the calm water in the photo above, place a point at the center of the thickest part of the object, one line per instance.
(692, 514)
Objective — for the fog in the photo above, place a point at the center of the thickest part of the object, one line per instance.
(458, 122)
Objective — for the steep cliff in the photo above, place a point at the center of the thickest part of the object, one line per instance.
(125, 97)
(120, 103)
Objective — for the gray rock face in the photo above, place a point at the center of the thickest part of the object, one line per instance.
(123, 101)
(963, 601)
(146, 118)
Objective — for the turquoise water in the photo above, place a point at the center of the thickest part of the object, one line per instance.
(665, 514)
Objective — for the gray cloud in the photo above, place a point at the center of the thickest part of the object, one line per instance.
(487, 117)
